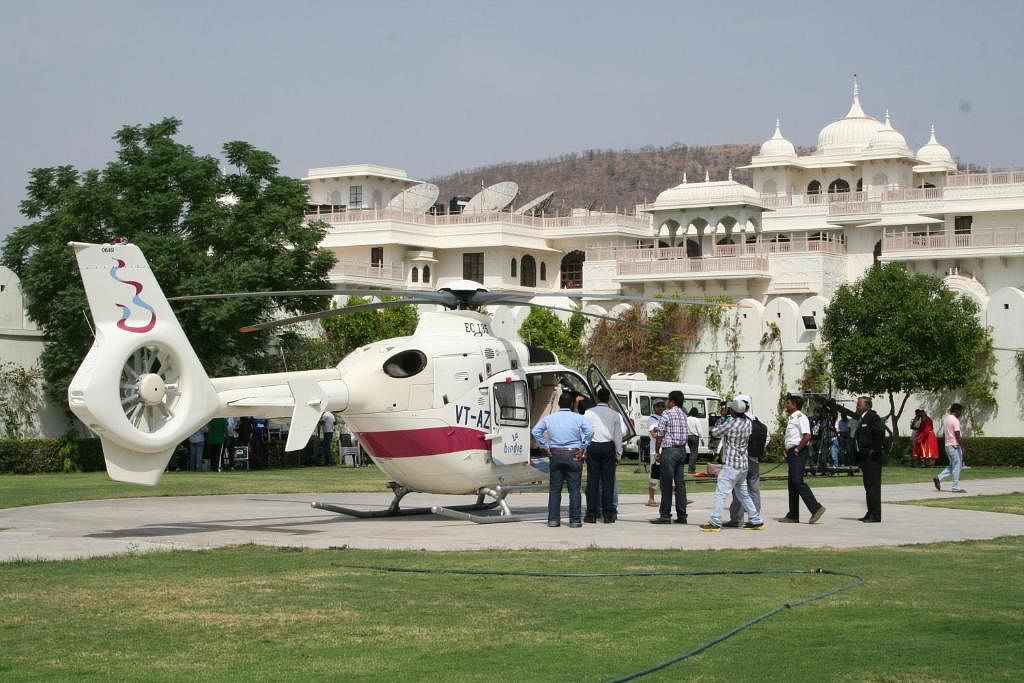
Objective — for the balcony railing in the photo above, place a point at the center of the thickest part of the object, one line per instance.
(906, 240)
(710, 265)
(593, 219)
(349, 267)
(985, 178)
(822, 243)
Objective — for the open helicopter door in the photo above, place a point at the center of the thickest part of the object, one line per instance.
(510, 434)
(597, 380)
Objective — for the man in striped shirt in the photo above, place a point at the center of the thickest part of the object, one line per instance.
(672, 430)
(734, 430)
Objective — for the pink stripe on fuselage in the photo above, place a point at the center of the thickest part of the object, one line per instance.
(411, 443)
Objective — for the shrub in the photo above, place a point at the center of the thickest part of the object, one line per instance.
(31, 456)
(995, 451)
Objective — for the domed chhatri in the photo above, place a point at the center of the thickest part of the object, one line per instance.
(934, 153)
(852, 133)
(889, 140)
(777, 145)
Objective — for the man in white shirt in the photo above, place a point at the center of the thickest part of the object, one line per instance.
(603, 453)
(694, 435)
(327, 421)
(654, 455)
(798, 435)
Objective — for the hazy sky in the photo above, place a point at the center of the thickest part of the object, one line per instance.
(433, 87)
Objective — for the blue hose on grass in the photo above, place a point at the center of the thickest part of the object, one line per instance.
(857, 581)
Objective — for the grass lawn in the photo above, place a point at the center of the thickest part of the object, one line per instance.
(34, 489)
(927, 612)
(1012, 503)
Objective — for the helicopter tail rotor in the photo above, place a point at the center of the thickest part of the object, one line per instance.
(141, 387)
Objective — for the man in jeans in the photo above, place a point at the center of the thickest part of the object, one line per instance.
(798, 435)
(672, 429)
(734, 430)
(565, 435)
(755, 451)
(954, 449)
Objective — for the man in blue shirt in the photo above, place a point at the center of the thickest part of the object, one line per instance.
(565, 435)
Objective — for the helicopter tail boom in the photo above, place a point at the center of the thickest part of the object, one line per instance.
(141, 387)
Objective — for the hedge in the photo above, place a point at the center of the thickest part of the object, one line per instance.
(998, 451)
(30, 456)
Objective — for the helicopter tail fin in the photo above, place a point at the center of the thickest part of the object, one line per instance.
(141, 387)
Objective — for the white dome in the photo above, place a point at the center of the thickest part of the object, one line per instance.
(850, 134)
(934, 153)
(777, 145)
(888, 139)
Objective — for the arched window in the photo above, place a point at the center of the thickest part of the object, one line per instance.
(860, 184)
(514, 268)
(543, 271)
(878, 250)
(415, 274)
(528, 272)
(838, 185)
(426, 274)
(814, 187)
(692, 248)
(571, 272)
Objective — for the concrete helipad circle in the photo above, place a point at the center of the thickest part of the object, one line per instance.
(104, 527)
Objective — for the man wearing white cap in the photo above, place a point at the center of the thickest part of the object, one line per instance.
(734, 430)
(759, 438)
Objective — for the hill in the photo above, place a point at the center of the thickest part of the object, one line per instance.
(606, 179)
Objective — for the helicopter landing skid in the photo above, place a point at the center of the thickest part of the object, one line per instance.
(498, 493)
(395, 509)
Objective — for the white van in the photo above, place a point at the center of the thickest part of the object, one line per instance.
(637, 394)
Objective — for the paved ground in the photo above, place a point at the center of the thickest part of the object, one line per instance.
(104, 527)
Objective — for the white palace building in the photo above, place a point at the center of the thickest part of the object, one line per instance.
(781, 248)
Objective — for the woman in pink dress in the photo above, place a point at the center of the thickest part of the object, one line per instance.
(926, 446)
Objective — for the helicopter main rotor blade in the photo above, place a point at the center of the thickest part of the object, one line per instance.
(587, 314)
(327, 313)
(434, 297)
(521, 298)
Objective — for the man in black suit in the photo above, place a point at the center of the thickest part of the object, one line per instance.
(868, 440)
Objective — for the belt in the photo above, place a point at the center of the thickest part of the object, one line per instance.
(567, 450)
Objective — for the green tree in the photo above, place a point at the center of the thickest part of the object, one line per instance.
(203, 231)
(545, 329)
(346, 333)
(893, 331)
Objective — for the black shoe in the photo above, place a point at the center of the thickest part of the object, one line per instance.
(590, 519)
(864, 518)
(610, 519)
(871, 520)
(554, 524)
(575, 525)
(730, 525)
(680, 520)
(938, 486)
(662, 520)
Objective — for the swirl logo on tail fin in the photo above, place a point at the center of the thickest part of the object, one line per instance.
(126, 312)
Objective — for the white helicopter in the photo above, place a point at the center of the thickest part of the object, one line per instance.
(447, 410)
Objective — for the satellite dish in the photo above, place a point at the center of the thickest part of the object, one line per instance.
(493, 198)
(538, 205)
(416, 199)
